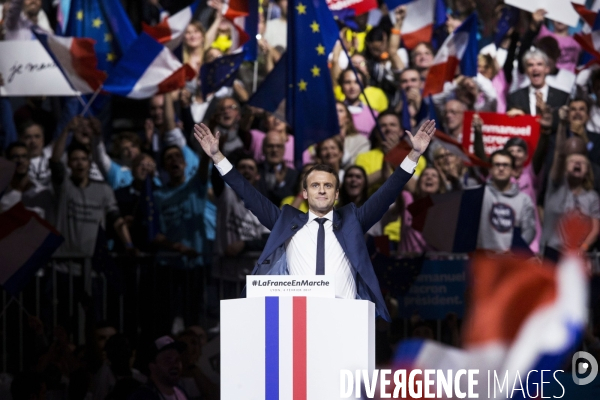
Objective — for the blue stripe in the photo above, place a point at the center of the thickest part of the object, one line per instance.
(132, 65)
(407, 353)
(271, 348)
(465, 239)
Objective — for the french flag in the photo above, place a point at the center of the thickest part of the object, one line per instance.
(459, 49)
(26, 244)
(148, 68)
(169, 31)
(590, 42)
(523, 317)
(76, 59)
(460, 211)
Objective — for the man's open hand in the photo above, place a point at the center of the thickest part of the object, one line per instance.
(208, 141)
(421, 139)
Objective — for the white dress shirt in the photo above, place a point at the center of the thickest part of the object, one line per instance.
(532, 101)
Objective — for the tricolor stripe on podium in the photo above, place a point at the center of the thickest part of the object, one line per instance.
(274, 341)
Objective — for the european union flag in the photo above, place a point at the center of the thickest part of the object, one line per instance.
(219, 73)
(310, 103)
(405, 120)
(508, 18)
(87, 18)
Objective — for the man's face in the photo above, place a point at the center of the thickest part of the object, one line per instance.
(79, 163)
(32, 7)
(157, 111)
(128, 150)
(577, 166)
(445, 160)
(228, 113)
(501, 169)
(390, 125)
(454, 114)
(144, 168)
(578, 112)
(536, 69)
(33, 137)
(410, 79)
(350, 86)
(377, 48)
(167, 367)
(85, 133)
(274, 148)
(174, 163)
(20, 157)
(249, 170)
(320, 191)
(330, 152)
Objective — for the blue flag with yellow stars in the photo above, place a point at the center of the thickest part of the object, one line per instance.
(220, 73)
(88, 19)
(310, 103)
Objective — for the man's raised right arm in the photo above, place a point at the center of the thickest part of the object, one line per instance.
(266, 212)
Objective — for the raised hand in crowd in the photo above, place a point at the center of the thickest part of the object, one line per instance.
(395, 35)
(537, 18)
(148, 130)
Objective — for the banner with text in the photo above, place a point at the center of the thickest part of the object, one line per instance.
(438, 290)
(28, 70)
(499, 128)
(359, 6)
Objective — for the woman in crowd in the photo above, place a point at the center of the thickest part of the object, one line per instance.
(330, 152)
(354, 143)
(361, 114)
(354, 187)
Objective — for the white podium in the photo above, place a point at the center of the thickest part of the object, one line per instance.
(293, 348)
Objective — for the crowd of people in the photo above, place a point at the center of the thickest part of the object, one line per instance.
(141, 178)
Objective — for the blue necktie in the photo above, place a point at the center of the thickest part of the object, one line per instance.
(321, 246)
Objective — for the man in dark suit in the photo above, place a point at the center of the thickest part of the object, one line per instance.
(322, 240)
(528, 99)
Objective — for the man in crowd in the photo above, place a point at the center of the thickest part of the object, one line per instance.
(504, 207)
(277, 181)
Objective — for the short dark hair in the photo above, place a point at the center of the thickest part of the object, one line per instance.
(583, 100)
(75, 146)
(505, 153)
(243, 158)
(166, 150)
(14, 145)
(324, 168)
(28, 124)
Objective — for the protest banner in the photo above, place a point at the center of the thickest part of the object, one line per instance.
(438, 290)
(499, 128)
(557, 10)
(359, 6)
(28, 70)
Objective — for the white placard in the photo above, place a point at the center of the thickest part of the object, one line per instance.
(557, 10)
(290, 285)
(28, 70)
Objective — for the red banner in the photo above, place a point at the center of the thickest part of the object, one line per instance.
(499, 128)
(359, 6)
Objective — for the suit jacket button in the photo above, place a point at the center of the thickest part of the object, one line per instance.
(294, 227)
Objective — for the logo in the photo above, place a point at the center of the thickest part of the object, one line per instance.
(254, 283)
(583, 364)
(502, 217)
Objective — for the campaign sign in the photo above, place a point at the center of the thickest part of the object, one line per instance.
(498, 129)
(28, 70)
(438, 290)
(290, 285)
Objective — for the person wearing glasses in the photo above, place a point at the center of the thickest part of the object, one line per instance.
(504, 207)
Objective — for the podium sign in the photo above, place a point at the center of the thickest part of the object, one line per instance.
(284, 348)
(290, 285)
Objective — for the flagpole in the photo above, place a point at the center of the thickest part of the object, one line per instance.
(89, 104)
(81, 101)
(255, 77)
(362, 89)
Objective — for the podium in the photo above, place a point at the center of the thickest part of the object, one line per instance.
(293, 348)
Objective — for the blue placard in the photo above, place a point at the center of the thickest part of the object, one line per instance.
(438, 290)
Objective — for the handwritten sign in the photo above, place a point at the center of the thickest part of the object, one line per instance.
(557, 10)
(499, 128)
(28, 70)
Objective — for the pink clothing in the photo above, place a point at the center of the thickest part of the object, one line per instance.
(256, 148)
(499, 83)
(569, 49)
(527, 184)
(411, 240)
(363, 120)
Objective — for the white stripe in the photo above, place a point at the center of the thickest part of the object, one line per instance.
(27, 239)
(285, 347)
(454, 46)
(419, 14)
(160, 69)
(178, 23)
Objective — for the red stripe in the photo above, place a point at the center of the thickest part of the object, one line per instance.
(439, 74)
(412, 39)
(18, 216)
(84, 62)
(299, 344)
(161, 32)
(177, 79)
